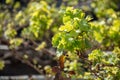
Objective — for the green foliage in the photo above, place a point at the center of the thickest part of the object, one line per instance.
(41, 46)
(106, 32)
(1, 64)
(40, 19)
(10, 33)
(37, 20)
(117, 52)
(21, 19)
(95, 56)
(75, 37)
(14, 43)
(102, 10)
(9, 1)
(106, 63)
(43, 18)
(0, 30)
(73, 33)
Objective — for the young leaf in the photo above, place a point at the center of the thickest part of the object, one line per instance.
(61, 61)
(71, 72)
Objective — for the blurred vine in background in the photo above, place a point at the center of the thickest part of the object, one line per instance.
(1, 64)
(29, 25)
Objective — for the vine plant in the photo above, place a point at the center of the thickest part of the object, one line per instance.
(78, 59)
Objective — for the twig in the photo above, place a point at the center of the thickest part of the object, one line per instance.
(17, 56)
